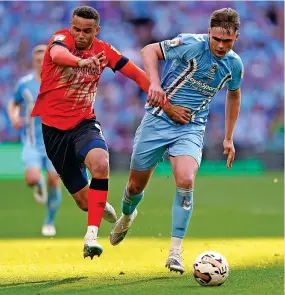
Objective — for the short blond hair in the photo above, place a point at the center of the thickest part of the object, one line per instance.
(39, 48)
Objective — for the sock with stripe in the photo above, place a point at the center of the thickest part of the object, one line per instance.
(130, 203)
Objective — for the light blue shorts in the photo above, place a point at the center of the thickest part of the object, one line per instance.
(155, 136)
(34, 157)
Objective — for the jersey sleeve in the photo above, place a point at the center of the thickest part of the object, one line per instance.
(237, 75)
(63, 39)
(18, 93)
(115, 58)
(184, 46)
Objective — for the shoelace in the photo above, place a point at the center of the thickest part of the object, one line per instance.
(176, 253)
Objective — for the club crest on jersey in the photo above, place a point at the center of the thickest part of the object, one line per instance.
(212, 71)
(59, 37)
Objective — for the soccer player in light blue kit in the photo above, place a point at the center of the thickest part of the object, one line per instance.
(34, 153)
(197, 67)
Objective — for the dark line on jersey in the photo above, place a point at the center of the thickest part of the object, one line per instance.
(234, 89)
(224, 81)
(178, 82)
(122, 62)
(168, 91)
(58, 43)
(162, 50)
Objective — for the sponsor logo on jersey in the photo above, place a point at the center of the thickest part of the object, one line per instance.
(172, 43)
(59, 37)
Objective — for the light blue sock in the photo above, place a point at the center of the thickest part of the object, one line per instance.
(129, 203)
(54, 200)
(181, 211)
(40, 184)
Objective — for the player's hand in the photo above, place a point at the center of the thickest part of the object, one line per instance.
(92, 62)
(17, 122)
(178, 114)
(229, 150)
(156, 96)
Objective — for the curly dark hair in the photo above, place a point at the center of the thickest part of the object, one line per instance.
(87, 12)
(226, 18)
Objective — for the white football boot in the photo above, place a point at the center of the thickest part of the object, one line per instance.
(91, 246)
(40, 194)
(110, 213)
(121, 228)
(174, 261)
(48, 230)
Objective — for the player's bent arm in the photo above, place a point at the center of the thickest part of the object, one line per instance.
(133, 72)
(13, 110)
(232, 109)
(150, 55)
(63, 57)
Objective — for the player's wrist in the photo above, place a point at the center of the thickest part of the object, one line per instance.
(78, 62)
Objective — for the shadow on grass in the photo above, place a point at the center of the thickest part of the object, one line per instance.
(50, 283)
(115, 282)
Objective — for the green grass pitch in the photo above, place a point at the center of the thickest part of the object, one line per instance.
(241, 217)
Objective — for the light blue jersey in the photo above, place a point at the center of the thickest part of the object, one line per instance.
(193, 75)
(191, 78)
(25, 94)
(34, 153)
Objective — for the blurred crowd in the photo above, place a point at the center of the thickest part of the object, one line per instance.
(129, 26)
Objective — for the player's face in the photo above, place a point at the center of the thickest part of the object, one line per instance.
(83, 31)
(221, 41)
(38, 59)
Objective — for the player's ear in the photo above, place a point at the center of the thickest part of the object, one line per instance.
(97, 30)
(209, 32)
(237, 35)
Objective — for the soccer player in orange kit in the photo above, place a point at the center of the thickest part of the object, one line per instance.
(73, 64)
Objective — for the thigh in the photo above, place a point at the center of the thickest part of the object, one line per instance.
(60, 150)
(31, 158)
(150, 143)
(88, 135)
(188, 143)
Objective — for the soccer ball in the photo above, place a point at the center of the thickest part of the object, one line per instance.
(211, 269)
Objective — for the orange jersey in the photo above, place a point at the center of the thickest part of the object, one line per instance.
(67, 94)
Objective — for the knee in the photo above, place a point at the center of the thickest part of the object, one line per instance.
(186, 181)
(53, 181)
(99, 168)
(32, 179)
(134, 188)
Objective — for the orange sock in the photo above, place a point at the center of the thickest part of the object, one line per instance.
(97, 198)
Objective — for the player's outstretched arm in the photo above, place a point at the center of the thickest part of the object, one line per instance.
(176, 113)
(63, 57)
(133, 72)
(232, 111)
(150, 55)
